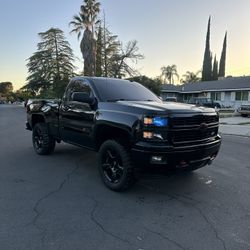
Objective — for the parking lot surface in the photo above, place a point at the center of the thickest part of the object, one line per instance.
(59, 201)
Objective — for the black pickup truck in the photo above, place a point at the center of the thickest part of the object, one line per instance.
(130, 127)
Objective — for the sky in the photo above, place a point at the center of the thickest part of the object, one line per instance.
(168, 32)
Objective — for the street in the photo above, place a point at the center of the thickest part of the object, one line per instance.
(59, 201)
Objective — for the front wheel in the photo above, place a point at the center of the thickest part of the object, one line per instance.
(115, 166)
(43, 143)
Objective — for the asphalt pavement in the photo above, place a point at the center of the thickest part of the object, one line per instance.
(59, 201)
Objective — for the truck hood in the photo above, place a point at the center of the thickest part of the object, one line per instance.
(168, 107)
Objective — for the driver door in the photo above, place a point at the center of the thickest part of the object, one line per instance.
(77, 118)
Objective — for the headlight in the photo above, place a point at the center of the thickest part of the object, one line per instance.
(155, 121)
(154, 128)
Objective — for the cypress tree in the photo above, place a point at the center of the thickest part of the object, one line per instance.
(99, 52)
(223, 58)
(207, 61)
(215, 69)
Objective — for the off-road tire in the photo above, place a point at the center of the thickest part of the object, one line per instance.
(43, 143)
(123, 157)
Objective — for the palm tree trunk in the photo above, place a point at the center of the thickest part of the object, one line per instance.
(88, 49)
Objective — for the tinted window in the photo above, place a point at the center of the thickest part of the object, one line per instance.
(242, 96)
(77, 86)
(116, 89)
(216, 96)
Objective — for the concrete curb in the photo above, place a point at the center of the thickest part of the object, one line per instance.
(245, 136)
(240, 130)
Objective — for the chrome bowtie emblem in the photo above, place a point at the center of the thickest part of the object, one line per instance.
(203, 126)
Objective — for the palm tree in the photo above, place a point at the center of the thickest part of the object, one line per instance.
(85, 21)
(191, 77)
(168, 73)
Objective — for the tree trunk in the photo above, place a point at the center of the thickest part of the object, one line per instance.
(88, 49)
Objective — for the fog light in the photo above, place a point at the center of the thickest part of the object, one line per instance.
(156, 159)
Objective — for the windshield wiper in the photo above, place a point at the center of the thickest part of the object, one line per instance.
(121, 99)
(116, 100)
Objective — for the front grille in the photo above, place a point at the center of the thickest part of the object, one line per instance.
(194, 120)
(193, 135)
(193, 128)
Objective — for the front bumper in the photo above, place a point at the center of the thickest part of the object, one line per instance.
(184, 157)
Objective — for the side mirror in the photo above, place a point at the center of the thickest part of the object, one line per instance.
(83, 97)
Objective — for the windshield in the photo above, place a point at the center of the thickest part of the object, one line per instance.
(122, 90)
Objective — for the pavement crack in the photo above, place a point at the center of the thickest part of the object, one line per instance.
(36, 209)
(102, 227)
(185, 199)
(166, 238)
(211, 226)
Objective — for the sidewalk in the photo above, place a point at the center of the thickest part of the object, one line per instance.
(235, 126)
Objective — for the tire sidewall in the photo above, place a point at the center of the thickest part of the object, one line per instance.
(126, 163)
(48, 142)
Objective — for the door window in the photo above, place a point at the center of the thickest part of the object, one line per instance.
(77, 86)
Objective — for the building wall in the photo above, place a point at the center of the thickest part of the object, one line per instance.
(228, 98)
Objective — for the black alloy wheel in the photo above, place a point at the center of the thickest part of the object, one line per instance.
(112, 166)
(115, 166)
(43, 143)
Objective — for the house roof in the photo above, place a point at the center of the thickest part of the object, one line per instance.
(171, 88)
(226, 84)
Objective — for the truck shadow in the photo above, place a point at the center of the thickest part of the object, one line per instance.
(171, 183)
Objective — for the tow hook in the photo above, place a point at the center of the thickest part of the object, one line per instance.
(211, 160)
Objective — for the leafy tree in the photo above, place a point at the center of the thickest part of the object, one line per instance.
(111, 48)
(51, 66)
(168, 73)
(223, 58)
(110, 52)
(6, 88)
(114, 59)
(85, 21)
(207, 61)
(153, 84)
(23, 95)
(215, 70)
(191, 77)
(120, 62)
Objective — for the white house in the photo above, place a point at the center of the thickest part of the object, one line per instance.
(229, 92)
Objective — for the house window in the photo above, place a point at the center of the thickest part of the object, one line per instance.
(241, 96)
(216, 96)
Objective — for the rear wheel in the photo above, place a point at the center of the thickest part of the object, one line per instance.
(43, 143)
(115, 166)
